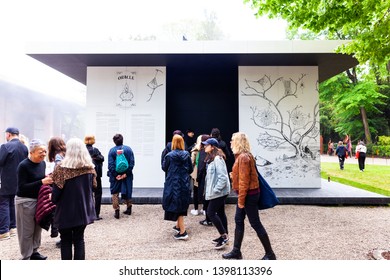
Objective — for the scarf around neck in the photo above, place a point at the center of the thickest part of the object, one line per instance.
(61, 174)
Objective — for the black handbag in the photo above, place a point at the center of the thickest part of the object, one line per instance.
(267, 198)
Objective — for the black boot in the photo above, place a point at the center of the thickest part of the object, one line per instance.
(116, 215)
(269, 253)
(233, 254)
(128, 210)
(236, 252)
(54, 232)
(268, 257)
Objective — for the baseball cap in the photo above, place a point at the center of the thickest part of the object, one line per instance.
(212, 142)
(12, 130)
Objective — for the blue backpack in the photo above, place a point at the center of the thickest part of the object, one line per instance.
(121, 162)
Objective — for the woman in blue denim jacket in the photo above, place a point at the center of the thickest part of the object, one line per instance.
(217, 189)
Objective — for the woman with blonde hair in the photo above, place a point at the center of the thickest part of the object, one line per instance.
(74, 180)
(177, 192)
(246, 184)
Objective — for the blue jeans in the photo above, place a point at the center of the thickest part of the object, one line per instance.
(7, 213)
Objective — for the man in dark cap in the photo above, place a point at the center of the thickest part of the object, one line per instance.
(11, 154)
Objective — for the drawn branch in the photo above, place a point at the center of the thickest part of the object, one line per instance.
(288, 91)
(153, 84)
(265, 83)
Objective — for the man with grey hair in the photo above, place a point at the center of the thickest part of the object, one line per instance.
(31, 176)
(11, 154)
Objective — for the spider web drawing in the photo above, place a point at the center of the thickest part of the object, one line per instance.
(153, 85)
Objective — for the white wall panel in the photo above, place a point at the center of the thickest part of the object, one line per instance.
(279, 110)
(129, 101)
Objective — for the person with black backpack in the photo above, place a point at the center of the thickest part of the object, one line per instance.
(120, 170)
(98, 160)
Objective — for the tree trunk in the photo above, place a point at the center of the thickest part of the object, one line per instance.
(365, 125)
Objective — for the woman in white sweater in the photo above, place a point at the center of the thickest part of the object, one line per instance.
(361, 151)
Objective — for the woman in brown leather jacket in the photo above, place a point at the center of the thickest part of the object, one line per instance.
(246, 184)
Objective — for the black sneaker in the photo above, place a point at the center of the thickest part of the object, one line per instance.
(221, 243)
(176, 229)
(205, 223)
(216, 240)
(181, 236)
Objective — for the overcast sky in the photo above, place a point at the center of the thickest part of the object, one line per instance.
(101, 20)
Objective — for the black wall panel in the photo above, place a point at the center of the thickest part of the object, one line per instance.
(202, 94)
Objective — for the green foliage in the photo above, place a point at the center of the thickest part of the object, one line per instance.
(382, 148)
(342, 100)
(384, 140)
(367, 22)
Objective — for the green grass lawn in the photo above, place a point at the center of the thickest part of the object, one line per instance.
(375, 178)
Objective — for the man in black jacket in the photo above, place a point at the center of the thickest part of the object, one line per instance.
(11, 154)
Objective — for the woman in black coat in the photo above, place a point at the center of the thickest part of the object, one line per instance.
(97, 159)
(74, 181)
(177, 190)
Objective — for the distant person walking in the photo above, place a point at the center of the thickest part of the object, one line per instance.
(341, 152)
(246, 184)
(97, 159)
(348, 145)
(121, 182)
(11, 154)
(74, 181)
(330, 147)
(177, 191)
(361, 151)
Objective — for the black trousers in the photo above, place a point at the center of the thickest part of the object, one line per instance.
(217, 215)
(361, 160)
(69, 237)
(252, 211)
(341, 162)
(98, 196)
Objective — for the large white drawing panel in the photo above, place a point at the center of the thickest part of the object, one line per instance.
(279, 110)
(129, 101)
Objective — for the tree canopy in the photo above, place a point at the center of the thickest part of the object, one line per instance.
(367, 22)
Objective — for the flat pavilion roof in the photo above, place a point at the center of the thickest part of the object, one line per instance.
(72, 59)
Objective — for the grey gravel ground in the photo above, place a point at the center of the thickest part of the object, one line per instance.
(296, 233)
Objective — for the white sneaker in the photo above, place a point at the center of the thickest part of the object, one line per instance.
(202, 212)
(4, 236)
(194, 212)
(12, 232)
